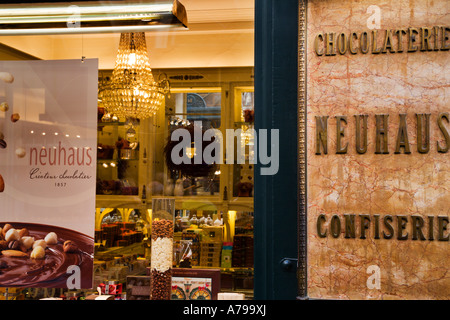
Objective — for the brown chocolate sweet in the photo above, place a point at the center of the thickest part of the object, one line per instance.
(161, 285)
(70, 247)
(5, 229)
(15, 117)
(3, 244)
(24, 232)
(162, 229)
(3, 144)
(14, 245)
(2, 184)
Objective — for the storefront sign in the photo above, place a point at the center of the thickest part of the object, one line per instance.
(377, 149)
(431, 39)
(47, 164)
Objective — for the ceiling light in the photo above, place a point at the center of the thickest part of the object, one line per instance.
(90, 17)
(132, 92)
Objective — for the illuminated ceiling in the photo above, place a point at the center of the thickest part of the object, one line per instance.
(220, 34)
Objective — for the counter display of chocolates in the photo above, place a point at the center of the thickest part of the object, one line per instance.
(118, 234)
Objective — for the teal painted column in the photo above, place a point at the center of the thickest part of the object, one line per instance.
(276, 47)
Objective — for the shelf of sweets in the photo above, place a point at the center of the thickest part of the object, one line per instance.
(181, 203)
(121, 201)
(110, 123)
(111, 252)
(234, 270)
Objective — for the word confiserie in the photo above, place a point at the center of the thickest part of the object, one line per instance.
(400, 227)
(378, 41)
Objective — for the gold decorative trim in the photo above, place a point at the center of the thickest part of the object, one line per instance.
(302, 209)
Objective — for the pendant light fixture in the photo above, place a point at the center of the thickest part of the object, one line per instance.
(83, 17)
(133, 92)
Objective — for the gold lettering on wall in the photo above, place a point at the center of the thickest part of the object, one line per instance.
(375, 50)
(423, 122)
(381, 140)
(364, 42)
(318, 38)
(321, 134)
(361, 146)
(402, 136)
(351, 48)
(388, 42)
(423, 135)
(340, 134)
(330, 41)
(399, 227)
(436, 38)
(445, 37)
(441, 117)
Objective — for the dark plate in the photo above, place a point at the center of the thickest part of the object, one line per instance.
(52, 271)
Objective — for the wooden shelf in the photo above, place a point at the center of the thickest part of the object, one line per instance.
(181, 203)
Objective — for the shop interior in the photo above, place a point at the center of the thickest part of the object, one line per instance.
(205, 75)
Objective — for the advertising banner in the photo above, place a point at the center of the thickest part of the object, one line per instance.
(48, 131)
(378, 144)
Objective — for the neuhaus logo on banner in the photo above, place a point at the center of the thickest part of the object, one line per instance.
(192, 152)
(60, 156)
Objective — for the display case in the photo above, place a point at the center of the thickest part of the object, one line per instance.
(162, 248)
(215, 99)
(245, 160)
(117, 158)
(131, 164)
(213, 210)
(186, 108)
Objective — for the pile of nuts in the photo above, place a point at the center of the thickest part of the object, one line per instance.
(161, 285)
(4, 107)
(19, 243)
(161, 259)
(162, 229)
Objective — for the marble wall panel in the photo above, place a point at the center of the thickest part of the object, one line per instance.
(409, 187)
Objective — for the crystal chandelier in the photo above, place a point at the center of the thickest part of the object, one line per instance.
(132, 91)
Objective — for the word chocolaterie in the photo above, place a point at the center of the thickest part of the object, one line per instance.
(377, 41)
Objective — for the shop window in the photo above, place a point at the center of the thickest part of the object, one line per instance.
(213, 221)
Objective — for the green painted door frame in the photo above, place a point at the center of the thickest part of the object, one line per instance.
(276, 51)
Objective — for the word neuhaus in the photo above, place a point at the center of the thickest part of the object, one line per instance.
(394, 41)
(61, 156)
(381, 134)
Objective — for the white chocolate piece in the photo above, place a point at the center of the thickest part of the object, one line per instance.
(51, 238)
(21, 152)
(162, 251)
(12, 234)
(4, 106)
(27, 242)
(6, 77)
(37, 253)
(40, 243)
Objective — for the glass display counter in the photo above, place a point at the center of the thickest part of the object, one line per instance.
(117, 158)
(213, 225)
